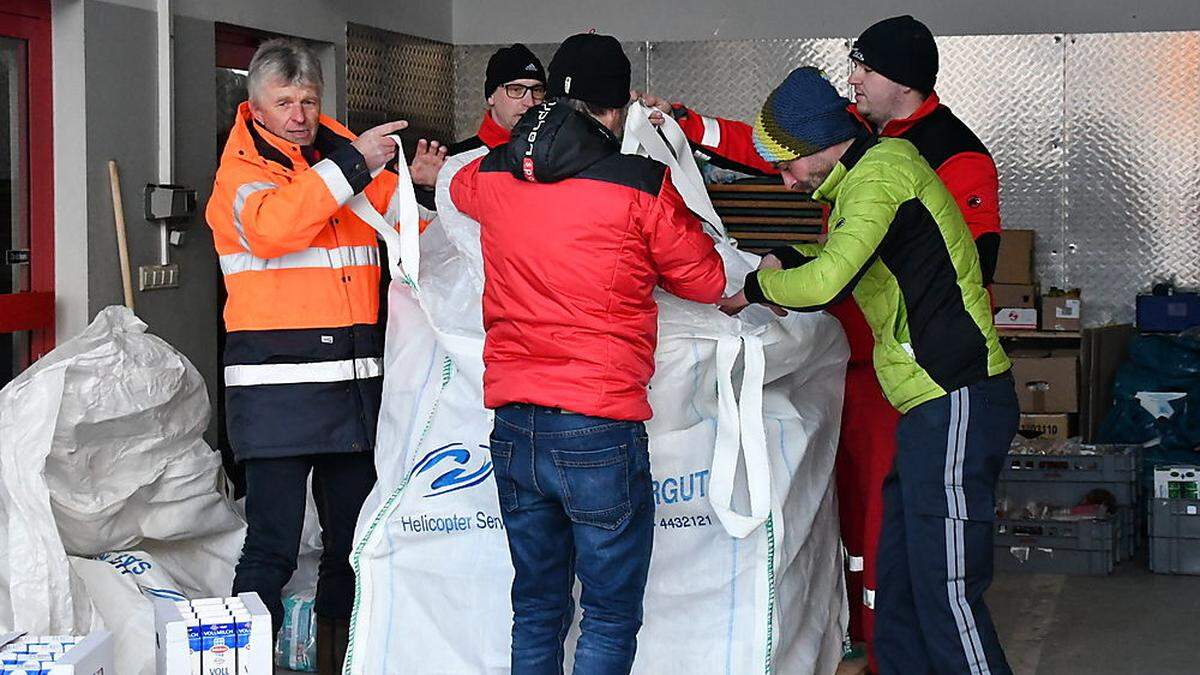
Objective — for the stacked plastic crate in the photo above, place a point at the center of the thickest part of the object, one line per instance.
(1175, 520)
(1071, 512)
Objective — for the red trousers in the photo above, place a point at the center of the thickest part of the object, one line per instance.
(865, 454)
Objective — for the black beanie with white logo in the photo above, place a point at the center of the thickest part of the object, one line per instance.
(512, 63)
(901, 49)
(591, 68)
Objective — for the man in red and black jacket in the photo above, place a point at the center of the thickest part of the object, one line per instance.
(895, 68)
(575, 237)
(514, 83)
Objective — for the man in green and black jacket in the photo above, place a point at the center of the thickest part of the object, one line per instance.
(898, 242)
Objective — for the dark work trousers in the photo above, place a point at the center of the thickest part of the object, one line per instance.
(935, 548)
(275, 498)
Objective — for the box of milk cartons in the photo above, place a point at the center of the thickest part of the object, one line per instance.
(24, 654)
(214, 636)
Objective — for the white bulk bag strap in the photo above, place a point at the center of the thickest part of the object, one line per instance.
(740, 436)
(404, 247)
(677, 155)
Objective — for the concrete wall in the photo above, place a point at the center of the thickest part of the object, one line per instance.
(120, 101)
(488, 21)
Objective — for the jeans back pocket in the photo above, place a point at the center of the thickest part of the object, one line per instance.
(595, 485)
(506, 489)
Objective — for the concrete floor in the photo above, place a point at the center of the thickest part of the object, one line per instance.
(1130, 623)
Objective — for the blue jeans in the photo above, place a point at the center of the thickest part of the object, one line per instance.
(576, 499)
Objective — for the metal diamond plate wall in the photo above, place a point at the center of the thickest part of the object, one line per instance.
(470, 71)
(1009, 90)
(732, 78)
(1133, 166)
(392, 76)
(1097, 137)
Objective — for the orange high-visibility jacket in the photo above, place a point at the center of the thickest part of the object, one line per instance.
(303, 358)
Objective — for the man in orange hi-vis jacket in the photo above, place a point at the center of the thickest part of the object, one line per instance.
(303, 358)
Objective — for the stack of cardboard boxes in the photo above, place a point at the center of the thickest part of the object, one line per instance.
(1047, 383)
(1014, 290)
(1015, 293)
(1047, 377)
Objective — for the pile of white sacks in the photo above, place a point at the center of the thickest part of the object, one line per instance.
(109, 495)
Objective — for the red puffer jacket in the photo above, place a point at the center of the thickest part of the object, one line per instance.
(575, 237)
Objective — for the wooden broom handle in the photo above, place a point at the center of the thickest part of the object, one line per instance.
(114, 180)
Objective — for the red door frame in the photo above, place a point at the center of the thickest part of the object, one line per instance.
(29, 20)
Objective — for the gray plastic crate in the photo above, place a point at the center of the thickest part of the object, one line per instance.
(1129, 522)
(1056, 546)
(1121, 542)
(1175, 518)
(1066, 479)
(1169, 555)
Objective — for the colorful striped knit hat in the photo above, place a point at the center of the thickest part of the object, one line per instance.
(803, 116)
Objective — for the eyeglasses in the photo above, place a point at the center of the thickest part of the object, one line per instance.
(517, 91)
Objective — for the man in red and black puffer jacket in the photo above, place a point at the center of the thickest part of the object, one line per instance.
(895, 67)
(575, 237)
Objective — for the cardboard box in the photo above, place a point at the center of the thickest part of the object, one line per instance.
(1014, 261)
(1102, 351)
(1168, 313)
(1016, 318)
(1014, 296)
(1061, 313)
(1055, 426)
(1047, 383)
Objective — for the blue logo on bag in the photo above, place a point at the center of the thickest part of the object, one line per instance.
(457, 462)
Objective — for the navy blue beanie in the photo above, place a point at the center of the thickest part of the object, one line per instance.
(803, 116)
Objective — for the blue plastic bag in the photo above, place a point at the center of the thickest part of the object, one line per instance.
(1157, 363)
(296, 647)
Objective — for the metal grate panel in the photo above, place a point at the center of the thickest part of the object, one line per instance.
(391, 76)
(470, 71)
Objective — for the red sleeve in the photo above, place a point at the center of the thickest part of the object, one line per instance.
(462, 188)
(972, 180)
(688, 265)
(730, 144)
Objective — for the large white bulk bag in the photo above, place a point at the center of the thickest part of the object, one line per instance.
(746, 574)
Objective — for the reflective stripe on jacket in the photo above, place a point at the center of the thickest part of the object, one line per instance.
(303, 357)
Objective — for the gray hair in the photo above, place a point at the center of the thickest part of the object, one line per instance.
(584, 107)
(596, 111)
(284, 60)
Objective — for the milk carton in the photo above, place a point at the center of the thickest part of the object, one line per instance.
(22, 654)
(214, 636)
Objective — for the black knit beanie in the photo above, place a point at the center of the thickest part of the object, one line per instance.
(512, 63)
(591, 68)
(902, 50)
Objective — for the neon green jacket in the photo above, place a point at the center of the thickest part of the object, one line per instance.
(898, 241)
